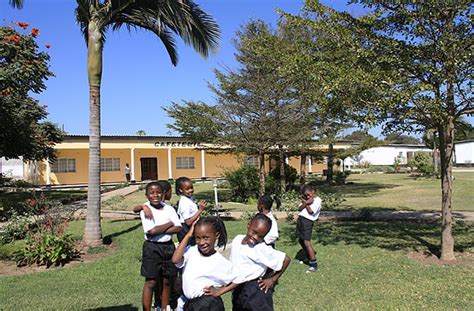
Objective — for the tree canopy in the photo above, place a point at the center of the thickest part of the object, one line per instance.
(23, 129)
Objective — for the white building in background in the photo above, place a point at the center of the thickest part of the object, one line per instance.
(12, 168)
(464, 152)
(386, 155)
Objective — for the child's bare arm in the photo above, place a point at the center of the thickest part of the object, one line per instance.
(266, 284)
(201, 207)
(179, 252)
(219, 291)
(174, 229)
(160, 228)
(146, 210)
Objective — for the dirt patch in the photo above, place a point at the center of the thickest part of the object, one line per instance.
(428, 258)
(9, 268)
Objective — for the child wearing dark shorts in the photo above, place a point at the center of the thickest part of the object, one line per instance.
(158, 247)
(310, 208)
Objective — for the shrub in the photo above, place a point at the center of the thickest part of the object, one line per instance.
(246, 216)
(380, 168)
(290, 201)
(340, 178)
(243, 183)
(423, 163)
(49, 244)
(272, 186)
(331, 201)
(291, 174)
(16, 228)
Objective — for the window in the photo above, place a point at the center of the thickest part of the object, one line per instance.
(64, 166)
(251, 161)
(109, 164)
(184, 163)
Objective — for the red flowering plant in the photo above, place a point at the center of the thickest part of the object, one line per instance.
(49, 244)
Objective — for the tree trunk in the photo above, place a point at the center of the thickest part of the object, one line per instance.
(303, 170)
(261, 163)
(282, 170)
(93, 231)
(330, 165)
(435, 155)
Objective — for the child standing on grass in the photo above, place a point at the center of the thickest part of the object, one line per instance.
(188, 211)
(158, 247)
(166, 190)
(251, 259)
(264, 206)
(203, 267)
(309, 212)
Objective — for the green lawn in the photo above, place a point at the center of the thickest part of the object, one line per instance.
(387, 191)
(363, 266)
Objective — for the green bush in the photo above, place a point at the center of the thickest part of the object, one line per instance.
(272, 186)
(340, 178)
(423, 163)
(243, 183)
(16, 228)
(290, 201)
(380, 168)
(291, 174)
(331, 201)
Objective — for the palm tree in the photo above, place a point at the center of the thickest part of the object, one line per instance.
(16, 3)
(165, 18)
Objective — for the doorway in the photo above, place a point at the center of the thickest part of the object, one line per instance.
(149, 168)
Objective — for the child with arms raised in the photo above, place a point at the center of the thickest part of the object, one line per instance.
(203, 267)
(188, 211)
(158, 247)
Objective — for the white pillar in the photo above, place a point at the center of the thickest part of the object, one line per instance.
(170, 167)
(286, 160)
(310, 162)
(48, 173)
(203, 163)
(132, 165)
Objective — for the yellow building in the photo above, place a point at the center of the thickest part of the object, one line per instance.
(149, 158)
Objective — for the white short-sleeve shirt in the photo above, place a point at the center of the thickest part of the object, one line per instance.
(202, 271)
(272, 235)
(315, 207)
(186, 208)
(251, 262)
(160, 217)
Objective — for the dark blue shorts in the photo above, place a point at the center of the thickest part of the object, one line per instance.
(304, 227)
(248, 297)
(156, 260)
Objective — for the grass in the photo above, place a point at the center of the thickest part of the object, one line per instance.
(375, 191)
(363, 266)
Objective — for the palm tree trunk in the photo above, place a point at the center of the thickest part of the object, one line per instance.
(330, 165)
(282, 169)
(93, 231)
(261, 163)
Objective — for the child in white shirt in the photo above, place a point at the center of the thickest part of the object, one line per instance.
(264, 206)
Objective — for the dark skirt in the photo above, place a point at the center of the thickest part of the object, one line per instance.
(249, 297)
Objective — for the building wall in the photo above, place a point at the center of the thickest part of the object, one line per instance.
(386, 155)
(464, 153)
(12, 168)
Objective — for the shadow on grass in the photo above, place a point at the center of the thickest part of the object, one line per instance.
(117, 308)
(356, 189)
(109, 238)
(224, 195)
(391, 236)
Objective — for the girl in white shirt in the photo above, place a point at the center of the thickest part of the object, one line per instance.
(188, 211)
(251, 258)
(204, 268)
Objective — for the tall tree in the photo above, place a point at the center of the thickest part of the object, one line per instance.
(430, 46)
(165, 19)
(24, 69)
(399, 138)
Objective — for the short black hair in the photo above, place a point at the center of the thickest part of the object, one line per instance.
(179, 182)
(266, 201)
(218, 225)
(307, 187)
(262, 217)
(165, 185)
(151, 184)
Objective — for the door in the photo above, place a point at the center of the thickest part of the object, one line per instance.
(149, 167)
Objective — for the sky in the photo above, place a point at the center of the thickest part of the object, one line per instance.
(138, 78)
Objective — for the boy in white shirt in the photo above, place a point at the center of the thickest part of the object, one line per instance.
(158, 247)
(310, 208)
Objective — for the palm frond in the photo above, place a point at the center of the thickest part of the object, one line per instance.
(16, 3)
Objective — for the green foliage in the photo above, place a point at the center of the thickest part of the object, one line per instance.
(246, 216)
(331, 201)
(290, 201)
(16, 228)
(399, 138)
(380, 169)
(291, 174)
(15, 183)
(423, 163)
(23, 131)
(341, 177)
(49, 244)
(243, 182)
